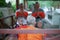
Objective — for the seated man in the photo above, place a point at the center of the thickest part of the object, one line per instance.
(21, 13)
(21, 21)
(38, 13)
(31, 26)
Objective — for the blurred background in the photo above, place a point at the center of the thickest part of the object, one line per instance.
(50, 7)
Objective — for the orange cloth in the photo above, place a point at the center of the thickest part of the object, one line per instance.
(29, 36)
(24, 14)
(40, 14)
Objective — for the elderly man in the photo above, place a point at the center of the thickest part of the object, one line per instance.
(31, 26)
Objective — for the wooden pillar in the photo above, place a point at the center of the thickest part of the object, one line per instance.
(25, 4)
(12, 21)
(17, 4)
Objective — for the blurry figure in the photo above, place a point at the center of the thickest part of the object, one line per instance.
(39, 24)
(31, 21)
(38, 13)
(21, 12)
(21, 21)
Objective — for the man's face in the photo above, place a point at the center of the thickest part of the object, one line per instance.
(37, 6)
(39, 24)
(21, 7)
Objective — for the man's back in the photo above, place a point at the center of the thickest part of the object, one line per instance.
(29, 36)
